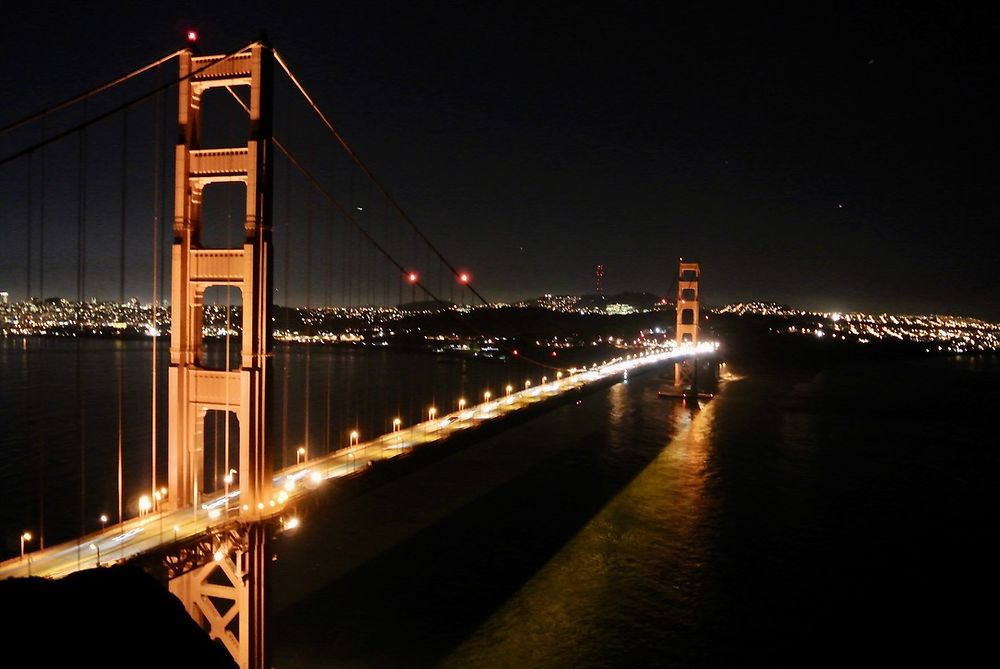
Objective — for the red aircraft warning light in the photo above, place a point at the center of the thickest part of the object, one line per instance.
(191, 36)
(464, 277)
(412, 277)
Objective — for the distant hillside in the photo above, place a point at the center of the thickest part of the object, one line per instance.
(535, 322)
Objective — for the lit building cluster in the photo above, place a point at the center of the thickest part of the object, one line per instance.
(954, 334)
(763, 309)
(61, 317)
(567, 303)
(66, 318)
(943, 333)
(574, 304)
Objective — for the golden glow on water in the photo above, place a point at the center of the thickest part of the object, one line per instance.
(560, 616)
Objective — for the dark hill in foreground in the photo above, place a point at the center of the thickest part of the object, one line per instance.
(110, 617)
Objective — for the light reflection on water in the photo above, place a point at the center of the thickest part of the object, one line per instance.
(570, 612)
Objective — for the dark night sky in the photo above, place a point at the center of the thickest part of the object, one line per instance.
(829, 156)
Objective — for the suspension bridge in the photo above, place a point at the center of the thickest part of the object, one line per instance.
(262, 209)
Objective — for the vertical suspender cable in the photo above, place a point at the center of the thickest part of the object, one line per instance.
(286, 356)
(27, 228)
(329, 353)
(41, 293)
(370, 251)
(30, 419)
(345, 241)
(41, 219)
(81, 253)
(350, 243)
(158, 137)
(229, 367)
(121, 300)
(386, 274)
(27, 297)
(308, 313)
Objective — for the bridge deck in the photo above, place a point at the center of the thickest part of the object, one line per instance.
(139, 535)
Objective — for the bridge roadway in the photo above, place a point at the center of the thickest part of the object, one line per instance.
(148, 532)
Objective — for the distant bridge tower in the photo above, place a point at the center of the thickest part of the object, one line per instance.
(599, 279)
(688, 281)
(232, 569)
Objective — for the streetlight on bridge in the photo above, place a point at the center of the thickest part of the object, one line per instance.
(104, 521)
(461, 404)
(300, 454)
(227, 481)
(25, 536)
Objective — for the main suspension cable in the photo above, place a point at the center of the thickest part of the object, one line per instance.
(125, 105)
(83, 96)
(371, 176)
(347, 214)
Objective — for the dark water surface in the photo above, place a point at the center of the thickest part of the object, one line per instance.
(838, 518)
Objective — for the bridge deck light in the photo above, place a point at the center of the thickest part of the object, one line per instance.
(26, 536)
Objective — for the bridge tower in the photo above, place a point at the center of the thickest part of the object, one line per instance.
(233, 571)
(688, 281)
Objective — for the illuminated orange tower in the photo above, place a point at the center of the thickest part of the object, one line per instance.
(688, 281)
(237, 571)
